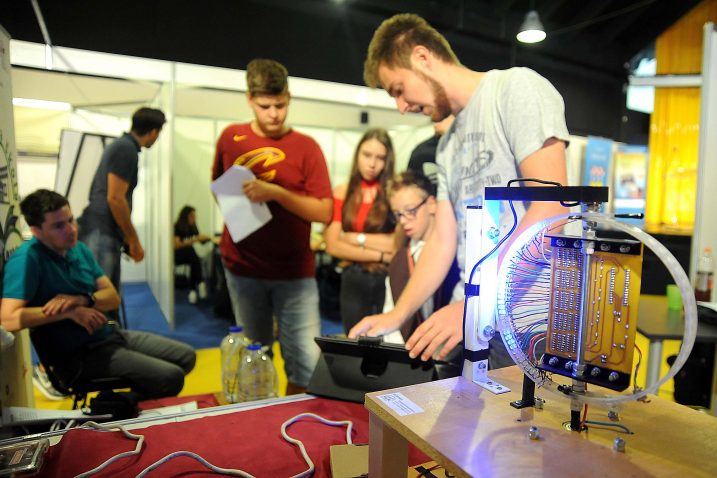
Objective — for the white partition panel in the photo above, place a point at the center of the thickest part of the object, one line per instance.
(705, 231)
(404, 140)
(35, 172)
(160, 231)
(69, 147)
(191, 166)
(137, 271)
(80, 155)
(345, 143)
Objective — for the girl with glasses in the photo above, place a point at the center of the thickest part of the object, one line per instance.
(362, 226)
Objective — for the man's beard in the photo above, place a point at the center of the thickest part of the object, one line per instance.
(441, 106)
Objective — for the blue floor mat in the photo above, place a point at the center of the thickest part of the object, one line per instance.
(195, 324)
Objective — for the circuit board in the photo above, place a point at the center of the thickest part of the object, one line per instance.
(591, 330)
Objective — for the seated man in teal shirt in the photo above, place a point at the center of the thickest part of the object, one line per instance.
(54, 286)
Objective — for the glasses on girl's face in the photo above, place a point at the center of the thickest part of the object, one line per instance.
(409, 213)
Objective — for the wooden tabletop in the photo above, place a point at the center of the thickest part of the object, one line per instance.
(475, 433)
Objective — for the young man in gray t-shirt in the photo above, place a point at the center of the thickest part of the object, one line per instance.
(508, 124)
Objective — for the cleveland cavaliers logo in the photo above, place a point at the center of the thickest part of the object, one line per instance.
(260, 161)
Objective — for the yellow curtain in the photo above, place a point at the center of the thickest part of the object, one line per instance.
(674, 124)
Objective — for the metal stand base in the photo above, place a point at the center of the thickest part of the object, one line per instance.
(528, 399)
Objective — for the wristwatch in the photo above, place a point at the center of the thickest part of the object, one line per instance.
(361, 239)
(91, 299)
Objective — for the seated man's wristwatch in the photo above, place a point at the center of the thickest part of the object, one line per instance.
(361, 239)
(91, 299)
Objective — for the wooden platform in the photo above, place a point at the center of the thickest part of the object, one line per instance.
(475, 433)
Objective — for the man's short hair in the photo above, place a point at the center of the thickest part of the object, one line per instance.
(266, 77)
(394, 40)
(146, 119)
(36, 205)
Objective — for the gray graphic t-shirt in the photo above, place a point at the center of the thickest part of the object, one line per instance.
(509, 116)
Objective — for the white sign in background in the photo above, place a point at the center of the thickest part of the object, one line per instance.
(15, 387)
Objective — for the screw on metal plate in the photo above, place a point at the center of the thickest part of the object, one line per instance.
(489, 331)
(618, 444)
(613, 415)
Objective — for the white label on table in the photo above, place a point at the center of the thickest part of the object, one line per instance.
(400, 404)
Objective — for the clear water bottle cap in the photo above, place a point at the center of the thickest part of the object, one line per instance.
(235, 329)
(254, 346)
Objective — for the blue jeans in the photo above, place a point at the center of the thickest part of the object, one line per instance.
(296, 306)
(107, 250)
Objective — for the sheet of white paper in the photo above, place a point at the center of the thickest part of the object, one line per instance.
(241, 216)
(29, 416)
(400, 403)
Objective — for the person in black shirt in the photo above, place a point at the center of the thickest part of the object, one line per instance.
(186, 235)
(423, 156)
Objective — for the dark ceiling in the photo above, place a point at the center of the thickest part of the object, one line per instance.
(588, 45)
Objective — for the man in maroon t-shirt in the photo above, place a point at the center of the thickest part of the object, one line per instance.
(271, 272)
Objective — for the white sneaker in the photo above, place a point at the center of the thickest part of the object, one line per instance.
(202, 288)
(42, 382)
(192, 297)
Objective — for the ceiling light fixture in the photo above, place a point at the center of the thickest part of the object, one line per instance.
(531, 31)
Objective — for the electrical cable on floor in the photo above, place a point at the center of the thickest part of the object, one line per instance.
(216, 469)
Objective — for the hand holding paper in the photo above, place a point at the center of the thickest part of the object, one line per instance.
(241, 216)
(260, 191)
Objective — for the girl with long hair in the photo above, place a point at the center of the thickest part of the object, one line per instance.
(186, 235)
(362, 227)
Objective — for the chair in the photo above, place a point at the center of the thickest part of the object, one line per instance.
(80, 389)
(182, 275)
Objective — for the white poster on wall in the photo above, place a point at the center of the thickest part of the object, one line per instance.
(9, 234)
(8, 180)
(15, 388)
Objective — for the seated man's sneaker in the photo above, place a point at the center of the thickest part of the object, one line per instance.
(43, 384)
(192, 297)
(202, 288)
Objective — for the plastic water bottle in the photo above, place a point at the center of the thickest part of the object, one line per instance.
(231, 348)
(704, 281)
(257, 375)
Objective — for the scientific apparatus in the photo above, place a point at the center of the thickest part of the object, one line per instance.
(564, 304)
